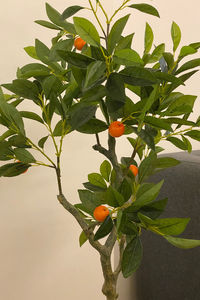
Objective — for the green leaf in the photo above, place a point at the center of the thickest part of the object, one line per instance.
(187, 143)
(23, 88)
(189, 65)
(157, 53)
(149, 195)
(169, 58)
(115, 33)
(132, 257)
(80, 114)
(97, 179)
(138, 76)
(30, 50)
(51, 85)
(95, 72)
(12, 114)
(158, 123)
(186, 50)
(127, 57)
(105, 170)
(125, 189)
(154, 209)
(94, 94)
(82, 238)
(47, 24)
(116, 92)
(113, 198)
(87, 31)
(42, 51)
(104, 229)
(65, 45)
(89, 200)
(34, 70)
(181, 105)
(146, 8)
(145, 167)
(176, 35)
(93, 126)
(165, 162)
(70, 11)
(125, 42)
(193, 134)
(148, 40)
(42, 141)
(182, 243)
(31, 115)
(76, 59)
(24, 156)
(60, 128)
(55, 17)
(6, 152)
(13, 169)
(177, 142)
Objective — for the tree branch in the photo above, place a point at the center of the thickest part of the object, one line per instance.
(86, 228)
(121, 250)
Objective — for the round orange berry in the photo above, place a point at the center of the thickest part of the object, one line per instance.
(79, 43)
(100, 213)
(116, 129)
(134, 169)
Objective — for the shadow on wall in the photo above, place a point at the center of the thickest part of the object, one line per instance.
(167, 272)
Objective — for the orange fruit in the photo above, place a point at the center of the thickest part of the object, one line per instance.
(134, 169)
(116, 129)
(79, 43)
(100, 213)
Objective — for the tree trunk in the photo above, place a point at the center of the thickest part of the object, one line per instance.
(110, 283)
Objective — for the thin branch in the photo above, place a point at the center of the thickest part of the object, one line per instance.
(86, 228)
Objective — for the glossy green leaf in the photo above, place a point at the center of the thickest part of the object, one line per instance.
(82, 238)
(51, 85)
(31, 115)
(104, 229)
(87, 31)
(71, 10)
(115, 33)
(80, 114)
(105, 170)
(97, 179)
(93, 126)
(65, 45)
(24, 156)
(157, 53)
(6, 152)
(113, 198)
(154, 209)
(42, 51)
(95, 72)
(177, 142)
(132, 257)
(158, 123)
(116, 92)
(145, 167)
(186, 50)
(76, 59)
(182, 243)
(34, 70)
(42, 141)
(176, 35)
(125, 42)
(13, 169)
(47, 24)
(181, 105)
(149, 195)
(127, 57)
(30, 50)
(193, 134)
(146, 8)
(138, 76)
(23, 88)
(148, 40)
(189, 65)
(89, 200)
(55, 17)
(165, 162)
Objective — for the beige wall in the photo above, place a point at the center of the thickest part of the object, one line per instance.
(39, 255)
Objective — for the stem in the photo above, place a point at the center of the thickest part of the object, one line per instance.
(95, 14)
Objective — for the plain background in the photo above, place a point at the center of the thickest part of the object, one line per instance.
(40, 256)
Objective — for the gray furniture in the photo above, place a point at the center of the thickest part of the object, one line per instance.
(166, 272)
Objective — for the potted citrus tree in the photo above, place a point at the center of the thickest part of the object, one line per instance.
(91, 80)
